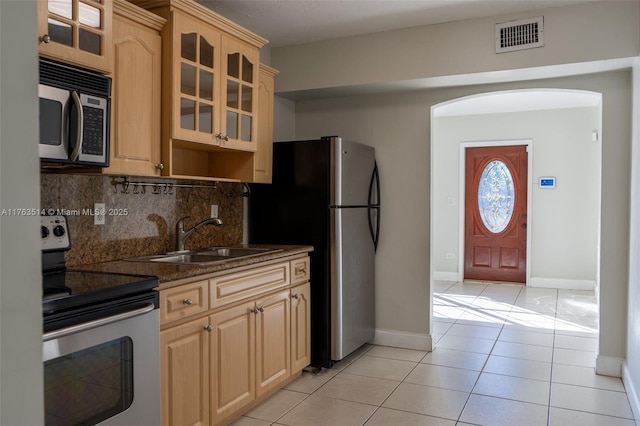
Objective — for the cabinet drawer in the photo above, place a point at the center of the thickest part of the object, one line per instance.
(184, 301)
(232, 287)
(300, 270)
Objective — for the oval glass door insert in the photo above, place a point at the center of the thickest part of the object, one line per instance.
(496, 196)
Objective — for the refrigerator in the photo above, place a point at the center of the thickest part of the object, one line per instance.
(326, 193)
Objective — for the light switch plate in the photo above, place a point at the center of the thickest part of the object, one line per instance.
(214, 211)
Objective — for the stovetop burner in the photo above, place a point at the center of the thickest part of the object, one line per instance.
(67, 289)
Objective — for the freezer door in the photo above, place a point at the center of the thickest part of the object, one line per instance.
(352, 168)
(353, 281)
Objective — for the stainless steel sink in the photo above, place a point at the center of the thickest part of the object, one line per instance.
(205, 256)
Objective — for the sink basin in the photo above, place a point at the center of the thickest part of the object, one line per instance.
(205, 256)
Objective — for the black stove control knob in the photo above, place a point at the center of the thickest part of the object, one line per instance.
(44, 231)
(58, 231)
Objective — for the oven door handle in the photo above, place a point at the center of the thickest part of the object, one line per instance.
(56, 334)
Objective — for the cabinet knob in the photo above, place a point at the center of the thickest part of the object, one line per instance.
(295, 296)
(45, 39)
(208, 328)
(160, 166)
(261, 309)
(187, 302)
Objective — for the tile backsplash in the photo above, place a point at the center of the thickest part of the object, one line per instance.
(138, 224)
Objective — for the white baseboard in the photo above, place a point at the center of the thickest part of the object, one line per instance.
(563, 284)
(402, 339)
(609, 366)
(445, 276)
(630, 388)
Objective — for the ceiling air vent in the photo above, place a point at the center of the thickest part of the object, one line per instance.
(519, 35)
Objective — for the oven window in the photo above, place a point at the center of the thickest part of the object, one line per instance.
(89, 386)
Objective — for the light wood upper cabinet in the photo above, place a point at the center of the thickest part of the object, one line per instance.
(136, 97)
(238, 129)
(210, 93)
(195, 94)
(77, 32)
(263, 160)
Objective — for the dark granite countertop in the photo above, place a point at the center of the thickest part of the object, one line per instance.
(167, 272)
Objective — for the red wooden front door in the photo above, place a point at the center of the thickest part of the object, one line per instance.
(496, 213)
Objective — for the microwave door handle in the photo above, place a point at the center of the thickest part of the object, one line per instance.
(78, 146)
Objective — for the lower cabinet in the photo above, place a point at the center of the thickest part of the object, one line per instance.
(184, 364)
(217, 365)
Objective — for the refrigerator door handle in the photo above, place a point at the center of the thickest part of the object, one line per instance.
(375, 180)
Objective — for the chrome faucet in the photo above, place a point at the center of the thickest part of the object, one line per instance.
(182, 235)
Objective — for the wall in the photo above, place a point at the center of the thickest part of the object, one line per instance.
(21, 401)
(145, 222)
(564, 221)
(397, 125)
(632, 363)
(574, 34)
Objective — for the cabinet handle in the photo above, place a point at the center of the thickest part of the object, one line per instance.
(295, 296)
(160, 166)
(253, 311)
(208, 328)
(226, 138)
(261, 309)
(45, 39)
(301, 271)
(187, 302)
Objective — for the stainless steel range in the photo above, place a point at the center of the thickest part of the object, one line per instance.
(101, 341)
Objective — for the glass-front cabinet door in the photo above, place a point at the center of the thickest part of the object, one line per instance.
(196, 81)
(77, 32)
(240, 89)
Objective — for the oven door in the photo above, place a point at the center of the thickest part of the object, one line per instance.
(105, 371)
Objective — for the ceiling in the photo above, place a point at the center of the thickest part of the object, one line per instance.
(291, 22)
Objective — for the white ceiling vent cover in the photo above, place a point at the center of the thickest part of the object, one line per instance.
(520, 35)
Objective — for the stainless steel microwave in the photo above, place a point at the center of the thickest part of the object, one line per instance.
(74, 116)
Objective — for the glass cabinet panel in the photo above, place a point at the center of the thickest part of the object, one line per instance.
(62, 8)
(187, 114)
(247, 98)
(60, 32)
(206, 85)
(206, 53)
(205, 119)
(233, 65)
(188, 79)
(247, 70)
(232, 124)
(245, 128)
(232, 94)
(188, 46)
(90, 42)
(89, 15)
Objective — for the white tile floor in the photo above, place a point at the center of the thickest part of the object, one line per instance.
(505, 355)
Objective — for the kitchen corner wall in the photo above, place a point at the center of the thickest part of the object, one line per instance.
(139, 224)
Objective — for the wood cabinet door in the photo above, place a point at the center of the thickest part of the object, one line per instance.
(232, 360)
(273, 330)
(300, 327)
(77, 32)
(185, 374)
(195, 99)
(263, 159)
(239, 90)
(135, 134)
